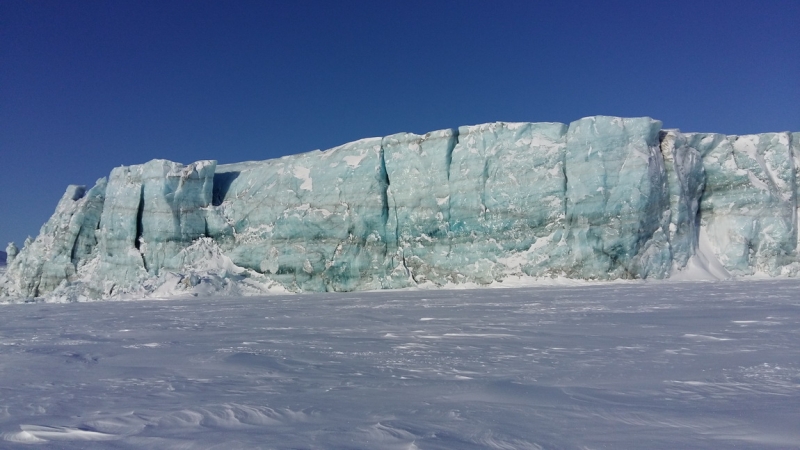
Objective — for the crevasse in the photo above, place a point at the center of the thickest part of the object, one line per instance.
(601, 198)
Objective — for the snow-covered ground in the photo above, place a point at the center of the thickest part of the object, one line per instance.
(641, 365)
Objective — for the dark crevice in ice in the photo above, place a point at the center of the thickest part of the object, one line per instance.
(222, 182)
(698, 216)
(384, 181)
(139, 214)
(139, 226)
(451, 144)
(78, 193)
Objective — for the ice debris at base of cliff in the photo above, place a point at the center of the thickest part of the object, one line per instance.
(602, 198)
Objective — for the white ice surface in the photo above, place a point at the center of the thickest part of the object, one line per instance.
(638, 365)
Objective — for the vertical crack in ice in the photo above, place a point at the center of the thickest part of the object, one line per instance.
(451, 145)
(391, 248)
(484, 179)
(693, 202)
(385, 182)
(397, 235)
(566, 180)
(139, 226)
(73, 246)
(698, 217)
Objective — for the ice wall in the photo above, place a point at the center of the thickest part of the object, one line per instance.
(312, 222)
(52, 259)
(685, 185)
(749, 206)
(617, 199)
(600, 198)
(493, 202)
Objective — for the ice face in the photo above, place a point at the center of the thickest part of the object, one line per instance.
(492, 200)
(617, 202)
(507, 199)
(600, 198)
(686, 182)
(418, 228)
(749, 205)
(50, 259)
(312, 222)
(173, 216)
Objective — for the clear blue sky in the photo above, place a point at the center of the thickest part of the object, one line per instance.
(89, 85)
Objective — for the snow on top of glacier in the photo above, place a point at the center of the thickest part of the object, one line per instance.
(304, 174)
(355, 160)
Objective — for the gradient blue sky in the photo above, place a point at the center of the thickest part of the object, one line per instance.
(89, 85)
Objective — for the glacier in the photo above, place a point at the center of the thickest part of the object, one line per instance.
(602, 198)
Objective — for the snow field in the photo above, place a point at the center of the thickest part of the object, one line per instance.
(637, 365)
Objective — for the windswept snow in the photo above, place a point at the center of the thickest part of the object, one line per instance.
(639, 365)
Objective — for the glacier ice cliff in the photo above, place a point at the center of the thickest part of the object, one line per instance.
(601, 198)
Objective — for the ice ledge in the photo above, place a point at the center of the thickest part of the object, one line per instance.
(602, 198)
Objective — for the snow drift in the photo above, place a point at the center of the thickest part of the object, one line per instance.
(601, 198)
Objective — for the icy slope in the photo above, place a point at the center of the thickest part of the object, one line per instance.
(600, 198)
